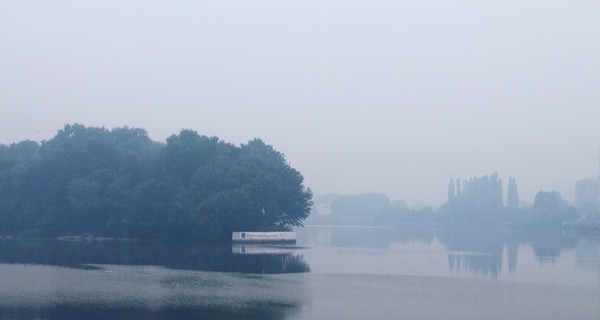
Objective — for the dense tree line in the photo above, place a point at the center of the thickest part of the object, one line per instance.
(120, 183)
(479, 200)
(472, 199)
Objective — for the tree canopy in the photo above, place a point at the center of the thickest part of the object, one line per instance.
(120, 183)
(479, 201)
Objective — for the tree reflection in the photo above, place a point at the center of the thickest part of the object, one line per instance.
(266, 311)
(476, 250)
(587, 254)
(481, 250)
(183, 256)
(471, 248)
(234, 296)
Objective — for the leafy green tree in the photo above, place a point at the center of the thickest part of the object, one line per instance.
(278, 187)
(251, 188)
(186, 152)
(18, 209)
(118, 182)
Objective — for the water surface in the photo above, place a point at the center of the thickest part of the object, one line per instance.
(333, 272)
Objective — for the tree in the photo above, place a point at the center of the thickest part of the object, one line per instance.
(548, 200)
(512, 196)
(252, 188)
(18, 163)
(284, 200)
(120, 183)
(479, 200)
(451, 190)
(186, 152)
(549, 210)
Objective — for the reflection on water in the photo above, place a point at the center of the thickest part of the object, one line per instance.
(334, 272)
(132, 280)
(183, 256)
(491, 253)
(61, 312)
(485, 248)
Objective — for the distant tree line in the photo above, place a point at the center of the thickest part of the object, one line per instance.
(476, 201)
(479, 200)
(366, 209)
(120, 183)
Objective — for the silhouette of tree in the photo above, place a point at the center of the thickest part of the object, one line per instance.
(512, 196)
(118, 182)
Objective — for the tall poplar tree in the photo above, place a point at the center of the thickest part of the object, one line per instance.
(512, 196)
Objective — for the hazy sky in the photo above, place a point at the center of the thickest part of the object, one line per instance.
(362, 96)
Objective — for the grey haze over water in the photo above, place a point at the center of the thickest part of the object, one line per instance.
(387, 96)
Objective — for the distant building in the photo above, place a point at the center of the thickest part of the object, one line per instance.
(587, 193)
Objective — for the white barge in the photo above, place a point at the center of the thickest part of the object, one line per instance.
(263, 237)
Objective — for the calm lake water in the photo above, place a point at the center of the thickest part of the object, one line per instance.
(332, 273)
